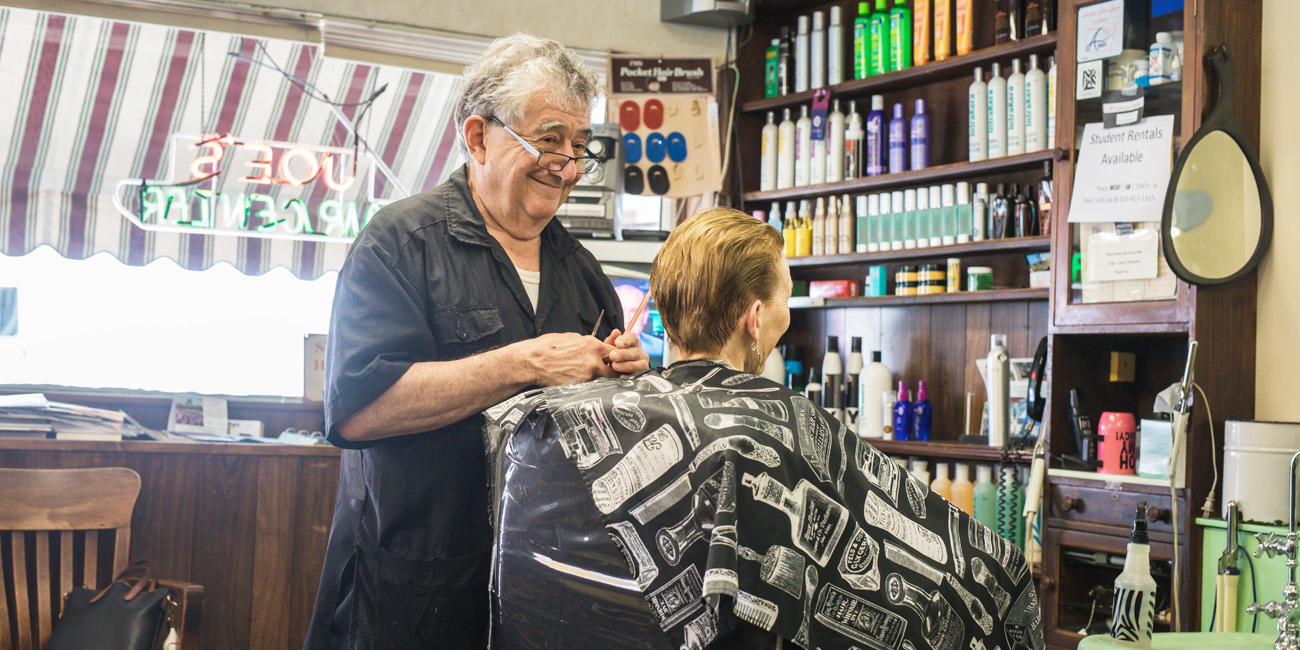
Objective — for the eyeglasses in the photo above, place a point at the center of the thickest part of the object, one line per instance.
(554, 160)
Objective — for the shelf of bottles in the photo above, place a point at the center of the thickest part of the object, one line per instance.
(988, 295)
(949, 450)
(972, 249)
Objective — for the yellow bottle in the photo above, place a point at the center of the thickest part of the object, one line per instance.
(963, 491)
(803, 242)
(941, 485)
(790, 233)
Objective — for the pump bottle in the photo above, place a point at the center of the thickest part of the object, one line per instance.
(819, 228)
(771, 135)
(847, 223)
(834, 159)
(875, 380)
(963, 491)
(785, 153)
(999, 391)
(978, 118)
(1135, 589)
(903, 414)
(853, 143)
(803, 148)
(922, 414)
(997, 141)
(1035, 107)
(1016, 110)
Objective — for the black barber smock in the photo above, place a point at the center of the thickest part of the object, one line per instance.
(408, 557)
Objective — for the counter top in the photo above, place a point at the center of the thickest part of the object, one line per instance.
(169, 447)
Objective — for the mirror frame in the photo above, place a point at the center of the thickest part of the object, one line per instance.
(1221, 118)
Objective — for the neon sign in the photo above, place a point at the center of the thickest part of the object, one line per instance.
(257, 188)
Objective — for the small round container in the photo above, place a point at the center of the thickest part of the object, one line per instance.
(954, 274)
(1119, 443)
(905, 281)
(931, 280)
(979, 278)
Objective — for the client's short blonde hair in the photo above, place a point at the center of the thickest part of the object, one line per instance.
(711, 268)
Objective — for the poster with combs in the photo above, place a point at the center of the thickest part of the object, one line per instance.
(666, 111)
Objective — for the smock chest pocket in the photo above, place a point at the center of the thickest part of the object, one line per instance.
(462, 331)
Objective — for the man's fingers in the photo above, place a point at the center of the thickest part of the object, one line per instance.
(612, 339)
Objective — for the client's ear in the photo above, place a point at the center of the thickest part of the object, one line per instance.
(752, 321)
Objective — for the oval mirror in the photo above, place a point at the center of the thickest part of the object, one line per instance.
(1218, 212)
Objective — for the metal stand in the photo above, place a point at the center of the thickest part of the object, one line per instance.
(1287, 612)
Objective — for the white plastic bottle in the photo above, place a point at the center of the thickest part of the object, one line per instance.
(803, 148)
(833, 379)
(771, 137)
(934, 229)
(847, 223)
(801, 60)
(835, 49)
(906, 221)
(853, 143)
(785, 149)
(920, 470)
(997, 114)
(862, 225)
(1016, 110)
(1035, 107)
(978, 118)
(1160, 60)
(897, 213)
(979, 225)
(1052, 103)
(835, 149)
(948, 221)
(999, 391)
(1135, 589)
(873, 217)
(819, 228)
(774, 219)
(873, 381)
(817, 69)
(831, 238)
(964, 230)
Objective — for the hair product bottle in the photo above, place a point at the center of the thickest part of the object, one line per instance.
(900, 35)
(880, 39)
(896, 215)
(785, 150)
(819, 228)
(999, 212)
(963, 491)
(834, 162)
(813, 389)
(817, 57)
(771, 69)
(831, 237)
(872, 235)
(868, 206)
(999, 391)
(941, 484)
(977, 123)
(803, 148)
(1035, 107)
(1007, 21)
(853, 142)
(1135, 589)
(875, 381)
(876, 137)
(791, 234)
(774, 218)
(898, 141)
(1016, 110)
(997, 140)
(1051, 103)
(803, 241)
(965, 27)
(767, 177)
(835, 49)
(903, 414)
(923, 414)
(922, 28)
(774, 367)
(985, 493)
(979, 222)
(848, 224)
(920, 137)
(852, 377)
(802, 63)
(832, 376)
(942, 29)
(862, 42)
(904, 225)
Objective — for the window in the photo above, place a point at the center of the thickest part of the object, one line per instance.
(98, 323)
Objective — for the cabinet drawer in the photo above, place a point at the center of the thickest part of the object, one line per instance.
(1100, 505)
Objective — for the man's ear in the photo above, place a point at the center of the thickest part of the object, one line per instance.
(475, 133)
(754, 319)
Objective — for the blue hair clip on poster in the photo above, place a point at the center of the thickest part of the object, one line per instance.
(631, 148)
(676, 147)
(656, 147)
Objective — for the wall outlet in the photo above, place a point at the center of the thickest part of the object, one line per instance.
(1123, 365)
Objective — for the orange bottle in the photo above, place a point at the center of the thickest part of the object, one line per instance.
(963, 491)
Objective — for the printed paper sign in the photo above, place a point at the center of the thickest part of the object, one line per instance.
(1101, 31)
(1123, 172)
(1122, 257)
(1089, 78)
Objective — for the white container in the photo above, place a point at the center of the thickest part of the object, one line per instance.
(801, 59)
(771, 137)
(803, 151)
(872, 245)
(835, 150)
(835, 49)
(817, 71)
(997, 141)
(977, 121)
(1035, 107)
(1016, 110)
(1257, 467)
(1051, 104)
(998, 389)
(873, 382)
(1160, 61)
(785, 153)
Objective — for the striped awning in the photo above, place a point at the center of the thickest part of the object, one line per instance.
(103, 117)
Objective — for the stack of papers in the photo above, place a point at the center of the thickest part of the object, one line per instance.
(30, 415)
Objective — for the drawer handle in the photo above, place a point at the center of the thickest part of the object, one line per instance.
(1066, 504)
(1046, 583)
(1158, 514)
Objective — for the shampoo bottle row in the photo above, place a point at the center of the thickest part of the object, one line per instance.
(1011, 116)
(827, 229)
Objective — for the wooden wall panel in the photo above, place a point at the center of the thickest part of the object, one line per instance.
(277, 500)
(225, 527)
(318, 482)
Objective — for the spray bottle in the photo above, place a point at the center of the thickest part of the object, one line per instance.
(853, 143)
(819, 228)
(922, 413)
(1135, 589)
(903, 414)
(835, 147)
(847, 225)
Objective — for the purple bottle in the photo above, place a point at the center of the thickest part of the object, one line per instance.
(876, 143)
(898, 141)
(920, 137)
(903, 414)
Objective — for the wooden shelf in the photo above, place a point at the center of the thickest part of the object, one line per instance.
(946, 450)
(927, 176)
(991, 246)
(995, 295)
(952, 68)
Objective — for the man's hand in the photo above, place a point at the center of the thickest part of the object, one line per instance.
(566, 358)
(627, 357)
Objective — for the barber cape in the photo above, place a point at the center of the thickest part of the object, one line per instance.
(732, 497)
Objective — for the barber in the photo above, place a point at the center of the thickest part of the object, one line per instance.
(451, 301)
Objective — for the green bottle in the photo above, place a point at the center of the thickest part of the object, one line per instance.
(880, 39)
(986, 497)
(862, 42)
(770, 68)
(900, 36)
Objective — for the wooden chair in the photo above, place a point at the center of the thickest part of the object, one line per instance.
(61, 528)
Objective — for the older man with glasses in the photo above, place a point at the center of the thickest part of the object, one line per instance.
(452, 301)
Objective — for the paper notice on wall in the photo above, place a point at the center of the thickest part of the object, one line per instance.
(1115, 257)
(668, 116)
(1101, 31)
(198, 414)
(1123, 172)
(313, 367)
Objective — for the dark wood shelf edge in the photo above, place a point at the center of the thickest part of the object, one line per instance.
(1122, 329)
(1026, 244)
(929, 73)
(995, 295)
(948, 450)
(903, 179)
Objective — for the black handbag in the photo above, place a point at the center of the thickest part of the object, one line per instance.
(126, 615)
